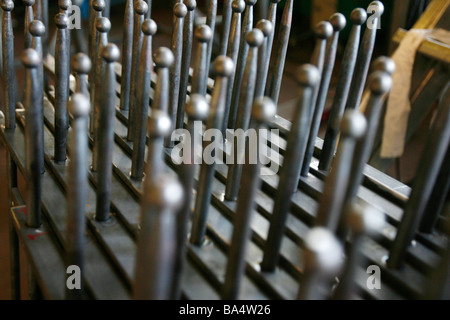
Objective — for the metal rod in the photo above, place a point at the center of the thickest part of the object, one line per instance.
(61, 88)
(29, 17)
(158, 128)
(14, 253)
(254, 39)
(263, 111)
(223, 67)
(142, 100)
(203, 36)
(211, 22)
(98, 6)
(247, 26)
(380, 83)
(357, 17)
(188, 30)
(9, 77)
(364, 57)
(103, 26)
(148, 15)
(110, 54)
(429, 164)
(163, 60)
(338, 22)
(263, 57)
(81, 66)
(226, 23)
(437, 286)
(238, 7)
(106, 12)
(45, 37)
(91, 19)
(34, 125)
(322, 254)
(140, 9)
(180, 11)
(323, 32)
(331, 202)
(308, 77)
(37, 30)
(197, 109)
(276, 70)
(77, 188)
(363, 221)
(156, 246)
(127, 52)
(14, 262)
(438, 197)
(64, 6)
(272, 17)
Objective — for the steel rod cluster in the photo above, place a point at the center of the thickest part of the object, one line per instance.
(95, 134)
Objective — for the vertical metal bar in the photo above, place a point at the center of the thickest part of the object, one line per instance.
(358, 17)
(430, 162)
(238, 7)
(338, 22)
(34, 125)
(363, 221)
(223, 67)
(64, 6)
(197, 110)
(14, 250)
(437, 286)
(226, 22)
(81, 66)
(77, 189)
(272, 17)
(149, 11)
(29, 16)
(37, 30)
(331, 202)
(14, 262)
(180, 11)
(127, 52)
(263, 111)
(91, 19)
(254, 39)
(140, 9)
(308, 77)
(211, 22)
(247, 25)
(380, 83)
(103, 26)
(263, 57)
(105, 140)
(8, 65)
(156, 246)
(158, 128)
(163, 60)
(98, 6)
(106, 12)
(322, 254)
(142, 100)
(323, 32)
(45, 37)
(438, 197)
(364, 57)
(188, 30)
(276, 73)
(203, 36)
(61, 88)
